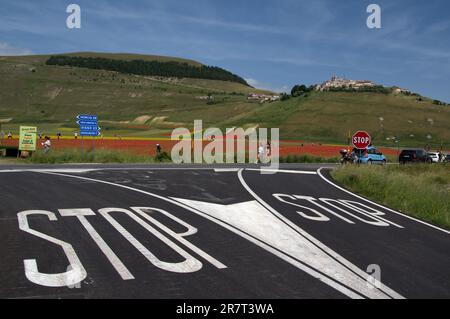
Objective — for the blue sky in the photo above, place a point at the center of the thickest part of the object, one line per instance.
(273, 44)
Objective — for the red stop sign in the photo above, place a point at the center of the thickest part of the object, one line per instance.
(361, 140)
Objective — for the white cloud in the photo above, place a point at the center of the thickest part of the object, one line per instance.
(6, 49)
(266, 86)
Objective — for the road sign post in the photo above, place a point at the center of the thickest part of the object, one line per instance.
(361, 140)
(88, 127)
(349, 137)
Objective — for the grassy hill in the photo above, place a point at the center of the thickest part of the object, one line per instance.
(130, 105)
(115, 56)
(147, 68)
(328, 116)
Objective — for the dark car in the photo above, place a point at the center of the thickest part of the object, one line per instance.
(414, 156)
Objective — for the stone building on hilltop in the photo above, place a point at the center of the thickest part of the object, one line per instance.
(337, 82)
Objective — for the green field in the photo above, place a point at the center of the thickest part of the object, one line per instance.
(51, 96)
(422, 191)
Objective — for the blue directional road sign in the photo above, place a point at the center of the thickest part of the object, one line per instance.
(90, 133)
(87, 117)
(88, 125)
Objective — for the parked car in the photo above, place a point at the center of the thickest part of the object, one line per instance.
(414, 156)
(434, 156)
(369, 156)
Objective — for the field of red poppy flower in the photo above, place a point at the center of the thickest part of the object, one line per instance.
(148, 146)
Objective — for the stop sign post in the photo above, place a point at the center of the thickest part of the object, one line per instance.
(361, 140)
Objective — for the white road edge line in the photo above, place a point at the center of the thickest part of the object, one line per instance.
(279, 171)
(86, 170)
(56, 170)
(319, 172)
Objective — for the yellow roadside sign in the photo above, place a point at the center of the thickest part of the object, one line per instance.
(27, 140)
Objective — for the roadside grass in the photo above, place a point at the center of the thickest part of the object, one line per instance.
(422, 191)
(104, 155)
(305, 158)
(89, 156)
(9, 161)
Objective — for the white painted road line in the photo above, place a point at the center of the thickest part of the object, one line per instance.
(179, 237)
(339, 270)
(352, 283)
(75, 271)
(319, 172)
(190, 263)
(226, 170)
(104, 247)
(280, 171)
(57, 170)
(87, 170)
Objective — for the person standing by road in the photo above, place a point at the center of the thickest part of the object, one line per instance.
(10, 136)
(158, 149)
(261, 153)
(47, 145)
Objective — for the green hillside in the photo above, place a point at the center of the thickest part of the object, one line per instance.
(32, 92)
(147, 68)
(328, 116)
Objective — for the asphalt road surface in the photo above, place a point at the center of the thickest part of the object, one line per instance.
(208, 232)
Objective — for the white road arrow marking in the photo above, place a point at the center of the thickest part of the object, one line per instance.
(255, 220)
